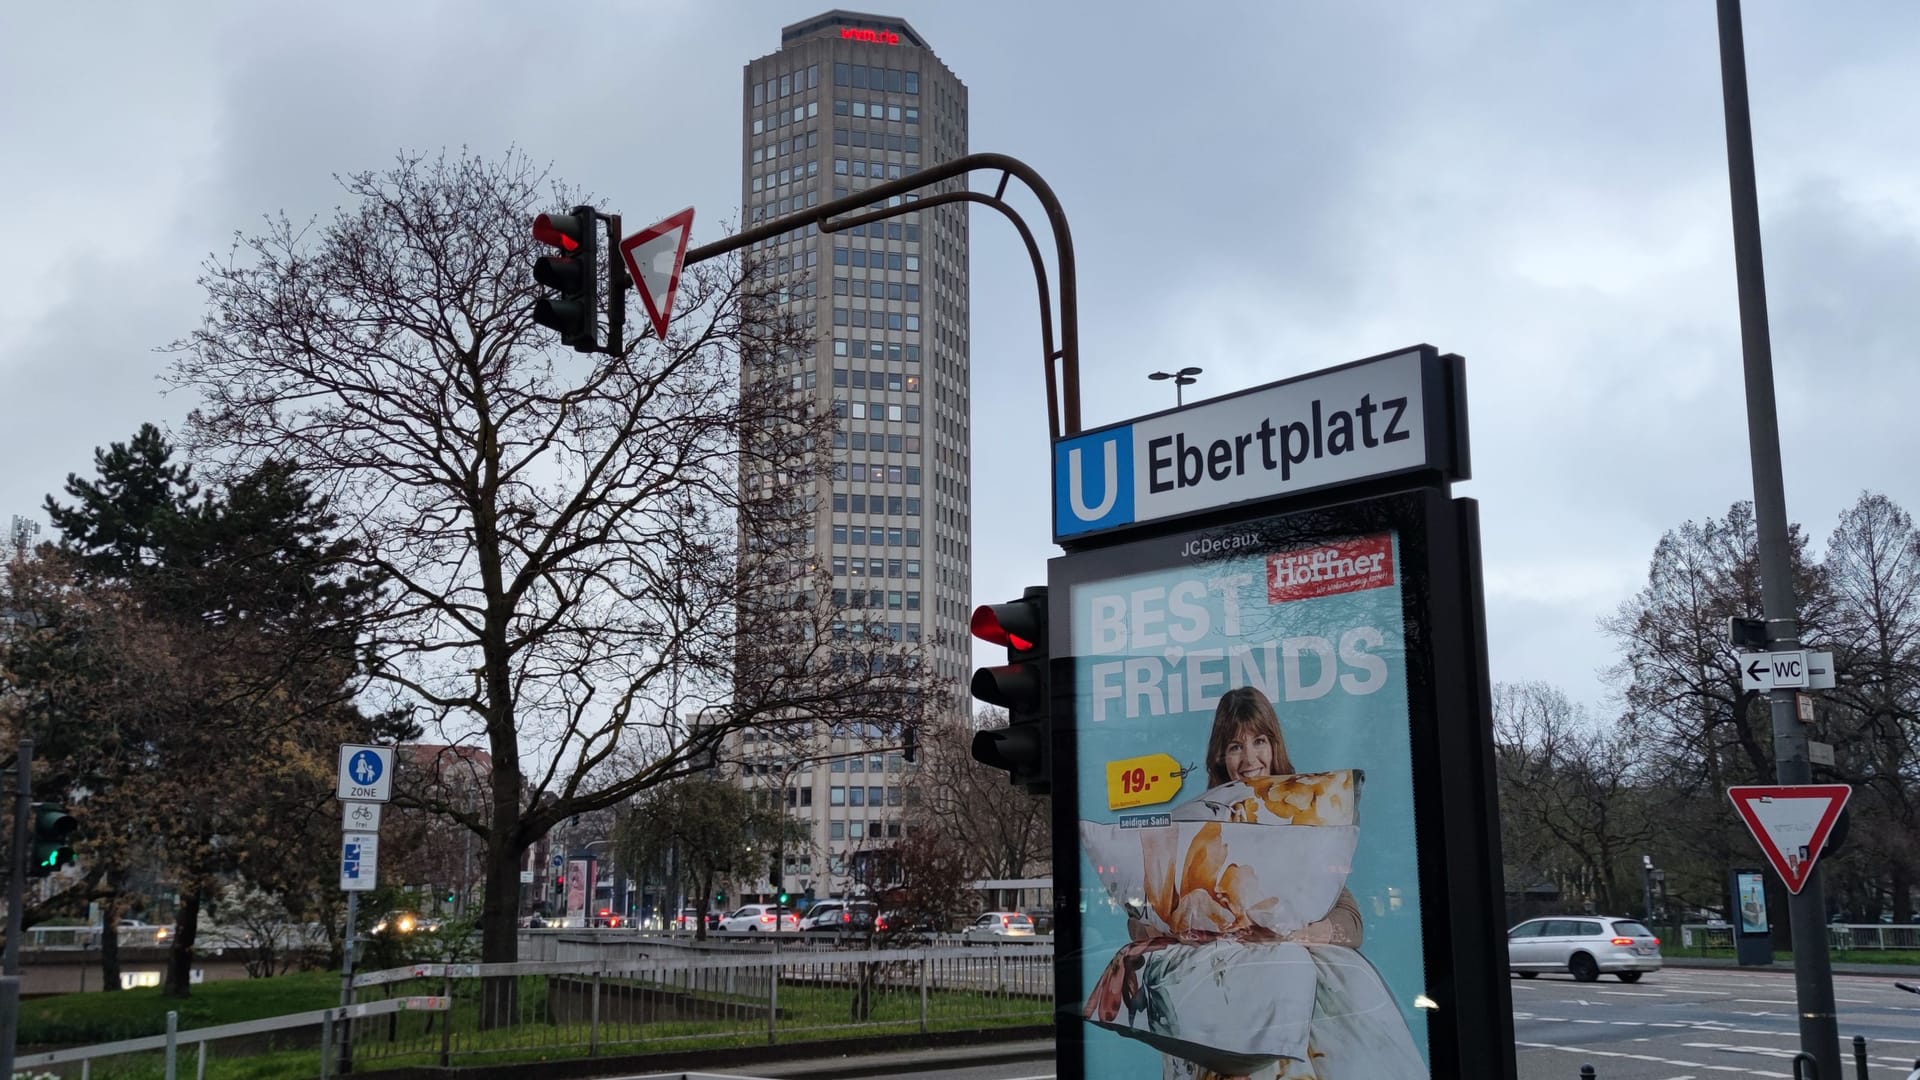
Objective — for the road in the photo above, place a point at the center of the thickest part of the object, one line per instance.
(1700, 1023)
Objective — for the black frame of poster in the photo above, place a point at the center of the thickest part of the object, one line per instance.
(1470, 1027)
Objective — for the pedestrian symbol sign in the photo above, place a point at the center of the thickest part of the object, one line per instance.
(366, 773)
(359, 860)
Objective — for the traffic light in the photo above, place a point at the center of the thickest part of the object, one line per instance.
(51, 829)
(782, 898)
(1020, 686)
(574, 275)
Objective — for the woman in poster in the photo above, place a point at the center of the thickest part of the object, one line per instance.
(1244, 961)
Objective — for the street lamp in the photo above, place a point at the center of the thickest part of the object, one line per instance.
(1181, 378)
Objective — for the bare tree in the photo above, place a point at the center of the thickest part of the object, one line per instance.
(1873, 567)
(1572, 804)
(1000, 831)
(587, 552)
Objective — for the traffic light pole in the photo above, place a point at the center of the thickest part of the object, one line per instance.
(1063, 392)
(17, 866)
(16, 908)
(1806, 909)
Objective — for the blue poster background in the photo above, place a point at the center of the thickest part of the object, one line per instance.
(1359, 721)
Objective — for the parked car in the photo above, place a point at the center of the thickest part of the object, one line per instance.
(997, 927)
(1584, 946)
(757, 917)
(905, 922)
(839, 915)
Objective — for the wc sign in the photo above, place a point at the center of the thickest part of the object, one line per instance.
(1399, 413)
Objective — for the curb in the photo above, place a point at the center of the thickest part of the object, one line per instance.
(1712, 963)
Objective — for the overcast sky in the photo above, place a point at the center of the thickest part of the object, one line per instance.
(1260, 189)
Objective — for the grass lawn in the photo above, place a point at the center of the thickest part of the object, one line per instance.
(808, 1013)
(77, 1019)
(1838, 956)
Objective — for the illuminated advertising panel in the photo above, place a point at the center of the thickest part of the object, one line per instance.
(1260, 838)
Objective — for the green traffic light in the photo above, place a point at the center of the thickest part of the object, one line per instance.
(52, 826)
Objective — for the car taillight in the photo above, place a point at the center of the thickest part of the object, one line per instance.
(846, 916)
(1004, 921)
(1656, 941)
(766, 918)
(1623, 941)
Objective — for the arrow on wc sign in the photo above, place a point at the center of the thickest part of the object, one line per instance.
(1791, 668)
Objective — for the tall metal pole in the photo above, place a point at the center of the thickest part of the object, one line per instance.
(16, 907)
(17, 867)
(1806, 910)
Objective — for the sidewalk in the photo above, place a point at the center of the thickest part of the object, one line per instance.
(1891, 971)
(901, 1062)
(896, 1063)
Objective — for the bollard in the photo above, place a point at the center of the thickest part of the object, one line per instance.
(1860, 1057)
(1587, 1073)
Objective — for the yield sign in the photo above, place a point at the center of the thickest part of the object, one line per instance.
(654, 255)
(1791, 823)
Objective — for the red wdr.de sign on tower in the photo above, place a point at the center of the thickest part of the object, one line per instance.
(1791, 822)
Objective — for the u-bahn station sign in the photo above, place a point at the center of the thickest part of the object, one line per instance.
(1274, 821)
(1391, 415)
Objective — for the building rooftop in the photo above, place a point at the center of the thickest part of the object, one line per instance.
(852, 20)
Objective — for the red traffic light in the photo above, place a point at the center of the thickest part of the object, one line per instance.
(988, 625)
(559, 230)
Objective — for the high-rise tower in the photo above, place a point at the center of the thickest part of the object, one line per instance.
(848, 101)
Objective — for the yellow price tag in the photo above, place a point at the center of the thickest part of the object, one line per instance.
(1142, 781)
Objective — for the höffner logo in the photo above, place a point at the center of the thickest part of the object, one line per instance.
(1351, 423)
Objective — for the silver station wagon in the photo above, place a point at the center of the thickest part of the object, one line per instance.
(1585, 947)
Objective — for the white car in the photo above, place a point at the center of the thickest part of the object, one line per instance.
(757, 917)
(1585, 946)
(998, 927)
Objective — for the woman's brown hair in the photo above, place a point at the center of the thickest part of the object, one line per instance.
(1247, 708)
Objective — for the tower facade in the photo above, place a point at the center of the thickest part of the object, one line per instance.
(848, 101)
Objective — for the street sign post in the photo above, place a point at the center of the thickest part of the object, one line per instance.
(1268, 601)
(655, 256)
(1790, 822)
(366, 773)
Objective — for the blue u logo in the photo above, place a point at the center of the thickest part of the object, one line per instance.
(1093, 481)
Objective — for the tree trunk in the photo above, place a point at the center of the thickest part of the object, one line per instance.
(1902, 896)
(110, 943)
(500, 924)
(178, 982)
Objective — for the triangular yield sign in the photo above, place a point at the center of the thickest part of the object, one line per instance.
(654, 256)
(1791, 823)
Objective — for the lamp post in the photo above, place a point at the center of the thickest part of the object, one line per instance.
(1182, 378)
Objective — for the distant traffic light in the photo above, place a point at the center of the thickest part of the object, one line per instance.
(574, 274)
(51, 829)
(1020, 686)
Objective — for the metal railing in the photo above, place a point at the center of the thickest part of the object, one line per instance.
(169, 1045)
(1850, 936)
(543, 1009)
